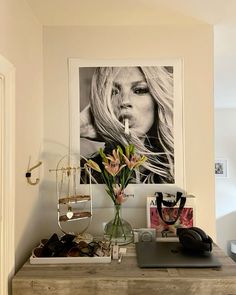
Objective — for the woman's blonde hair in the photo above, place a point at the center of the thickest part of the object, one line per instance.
(158, 147)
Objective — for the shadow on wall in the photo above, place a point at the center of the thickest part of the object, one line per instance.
(226, 231)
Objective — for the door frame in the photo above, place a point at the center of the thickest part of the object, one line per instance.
(7, 174)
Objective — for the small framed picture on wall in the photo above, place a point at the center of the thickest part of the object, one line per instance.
(221, 168)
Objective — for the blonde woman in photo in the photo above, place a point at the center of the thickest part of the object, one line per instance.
(133, 105)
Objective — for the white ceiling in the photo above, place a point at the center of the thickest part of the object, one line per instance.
(220, 13)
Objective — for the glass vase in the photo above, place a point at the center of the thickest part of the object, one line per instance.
(118, 231)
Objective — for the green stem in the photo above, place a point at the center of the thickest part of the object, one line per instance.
(126, 182)
(116, 223)
(122, 227)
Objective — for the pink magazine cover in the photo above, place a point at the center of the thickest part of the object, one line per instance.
(185, 220)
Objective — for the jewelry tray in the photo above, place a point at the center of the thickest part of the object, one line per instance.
(69, 260)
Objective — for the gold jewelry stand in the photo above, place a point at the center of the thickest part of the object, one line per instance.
(72, 206)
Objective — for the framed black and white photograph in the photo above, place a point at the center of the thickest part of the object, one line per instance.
(221, 168)
(129, 102)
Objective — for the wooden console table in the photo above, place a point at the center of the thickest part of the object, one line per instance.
(125, 278)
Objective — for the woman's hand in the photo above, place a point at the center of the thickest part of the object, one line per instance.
(87, 129)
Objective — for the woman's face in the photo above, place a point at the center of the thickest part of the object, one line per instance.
(132, 100)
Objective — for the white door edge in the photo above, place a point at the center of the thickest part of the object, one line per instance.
(7, 174)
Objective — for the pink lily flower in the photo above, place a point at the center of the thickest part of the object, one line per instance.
(115, 159)
(119, 193)
(113, 168)
(135, 161)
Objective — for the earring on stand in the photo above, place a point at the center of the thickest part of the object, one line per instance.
(69, 213)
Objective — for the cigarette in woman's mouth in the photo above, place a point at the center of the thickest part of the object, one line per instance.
(126, 126)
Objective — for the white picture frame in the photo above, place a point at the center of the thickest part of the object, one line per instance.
(221, 168)
(75, 64)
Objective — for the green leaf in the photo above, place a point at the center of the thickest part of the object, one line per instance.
(102, 154)
(131, 149)
(127, 151)
(120, 150)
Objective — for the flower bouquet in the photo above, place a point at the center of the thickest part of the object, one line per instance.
(117, 171)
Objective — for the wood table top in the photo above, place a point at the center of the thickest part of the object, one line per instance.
(126, 277)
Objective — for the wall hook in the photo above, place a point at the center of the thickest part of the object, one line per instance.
(28, 174)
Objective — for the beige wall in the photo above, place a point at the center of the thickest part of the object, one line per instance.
(21, 44)
(193, 43)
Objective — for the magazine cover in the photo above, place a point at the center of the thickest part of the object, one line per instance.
(186, 218)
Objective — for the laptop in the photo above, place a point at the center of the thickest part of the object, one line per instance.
(172, 254)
